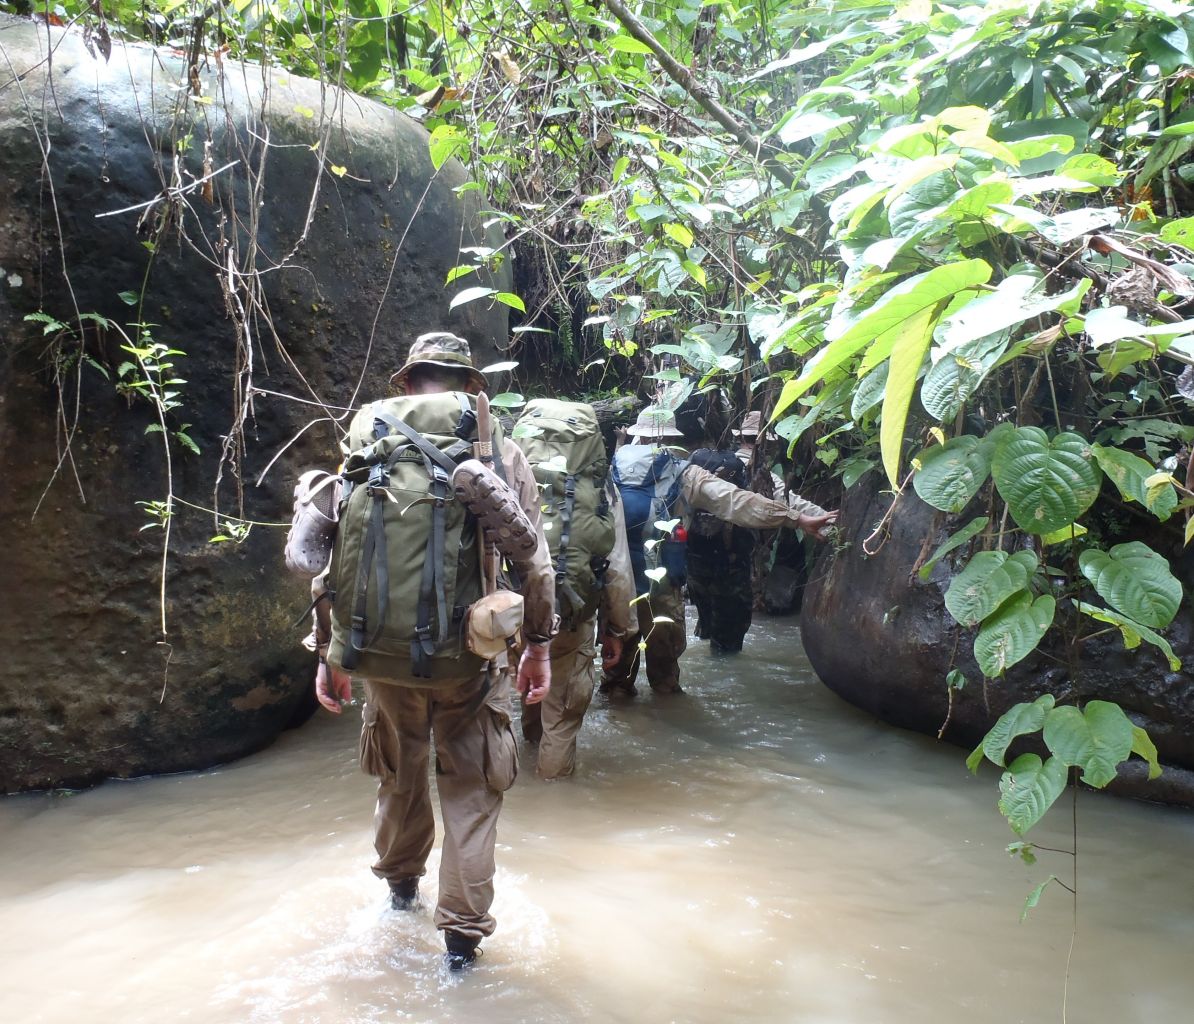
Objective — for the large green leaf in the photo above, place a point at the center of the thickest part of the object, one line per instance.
(908, 211)
(1094, 739)
(975, 202)
(1016, 299)
(956, 540)
(1012, 632)
(1047, 484)
(901, 303)
(1131, 631)
(951, 474)
(907, 356)
(1129, 472)
(1029, 789)
(957, 374)
(1134, 580)
(1020, 720)
(989, 579)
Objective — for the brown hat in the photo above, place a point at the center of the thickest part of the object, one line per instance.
(440, 349)
(654, 424)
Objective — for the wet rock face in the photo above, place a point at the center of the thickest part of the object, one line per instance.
(263, 282)
(883, 640)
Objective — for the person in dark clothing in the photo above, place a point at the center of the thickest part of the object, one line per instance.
(719, 563)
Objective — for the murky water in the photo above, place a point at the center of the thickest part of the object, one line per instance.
(754, 851)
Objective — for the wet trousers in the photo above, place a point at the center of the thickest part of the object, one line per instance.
(723, 601)
(665, 642)
(555, 722)
(476, 761)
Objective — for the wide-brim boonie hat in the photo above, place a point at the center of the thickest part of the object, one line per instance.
(750, 425)
(655, 424)
(440, 349)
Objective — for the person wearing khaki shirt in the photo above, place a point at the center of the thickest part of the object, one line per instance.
(468, 722)
(661, 630)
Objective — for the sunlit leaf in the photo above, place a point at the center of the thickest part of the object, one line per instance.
(1064, 535)
(507, 400)
(511, 300)
(906, 300)
(471, 295)
(907, 356)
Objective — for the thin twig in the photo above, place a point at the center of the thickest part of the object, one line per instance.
(170, 193)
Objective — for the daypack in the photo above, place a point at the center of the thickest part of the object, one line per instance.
(405, 566)
(562, 442)
(648, 480)
(713, 541)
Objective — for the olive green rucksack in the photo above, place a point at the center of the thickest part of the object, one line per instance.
(405, 565)
(562, 442)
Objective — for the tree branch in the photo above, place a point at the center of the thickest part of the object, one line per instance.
(687, 81)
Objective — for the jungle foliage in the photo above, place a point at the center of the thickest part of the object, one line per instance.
(941, 241)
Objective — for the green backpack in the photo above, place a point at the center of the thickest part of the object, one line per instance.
(405, 565)
(563, 444)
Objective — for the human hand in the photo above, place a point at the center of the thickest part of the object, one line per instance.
(818, 527)
(611, 651)
(534, 673)
(332, 686)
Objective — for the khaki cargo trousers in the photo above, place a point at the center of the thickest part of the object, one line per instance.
(476, 761)
(665, 641)
(556, 721)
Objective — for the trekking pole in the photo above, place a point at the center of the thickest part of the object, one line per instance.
(483, 449)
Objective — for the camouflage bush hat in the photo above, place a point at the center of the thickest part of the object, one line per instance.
(751, 424)
(654, 424)
(440, 349)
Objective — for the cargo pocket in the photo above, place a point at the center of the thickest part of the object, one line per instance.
(373, 759)
(501, 749)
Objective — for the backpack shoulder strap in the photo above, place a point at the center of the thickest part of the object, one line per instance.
(418, 440)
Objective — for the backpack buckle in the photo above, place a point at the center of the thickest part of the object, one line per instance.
(438, 487)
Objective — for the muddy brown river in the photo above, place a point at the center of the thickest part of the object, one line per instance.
(756, 850)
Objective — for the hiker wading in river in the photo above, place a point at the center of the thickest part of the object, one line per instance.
(406, 577)
(658, 485)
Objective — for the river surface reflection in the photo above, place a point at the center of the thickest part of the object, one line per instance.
(756, 850)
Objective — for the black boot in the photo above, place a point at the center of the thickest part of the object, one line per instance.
(404, 894)
(462, 951)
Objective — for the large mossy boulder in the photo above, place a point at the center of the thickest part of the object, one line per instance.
(294, 279)
(881, 638)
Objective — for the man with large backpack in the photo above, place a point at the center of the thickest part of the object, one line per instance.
(660, 488)
(405, 580)
(586, 535)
